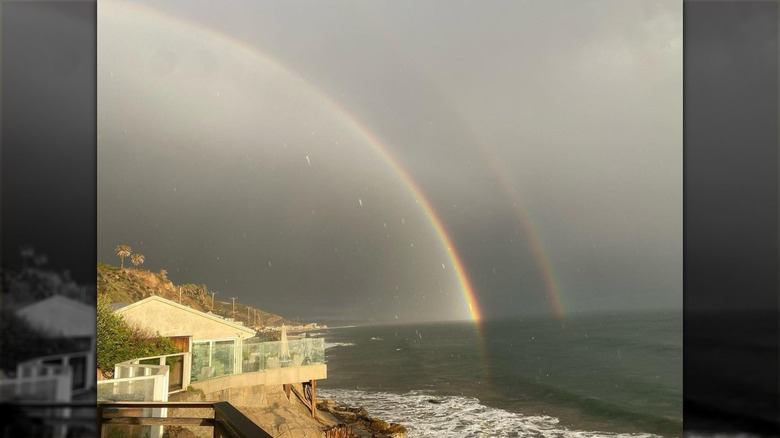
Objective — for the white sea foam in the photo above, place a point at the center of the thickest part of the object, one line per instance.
(338, 344)
(427, 415)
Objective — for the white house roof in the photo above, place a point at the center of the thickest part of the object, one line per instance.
(59, 315)
(208, 316)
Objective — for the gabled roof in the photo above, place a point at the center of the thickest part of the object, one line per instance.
(60, 315)
(176, 305)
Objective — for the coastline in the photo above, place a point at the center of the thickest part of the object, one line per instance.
(361, 422)
(269, 408)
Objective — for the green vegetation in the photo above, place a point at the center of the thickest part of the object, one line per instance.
(118, 341)
(21, 342)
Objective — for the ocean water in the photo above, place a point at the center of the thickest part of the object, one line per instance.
(594, 375)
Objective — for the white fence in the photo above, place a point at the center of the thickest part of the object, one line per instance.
(81, 367)
(145, 379)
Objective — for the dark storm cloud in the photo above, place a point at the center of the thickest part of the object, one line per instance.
(569, 114)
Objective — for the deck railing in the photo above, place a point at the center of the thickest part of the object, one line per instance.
(138, 382)
(225, 420)
(178, 365)
(215, 358)
(260, 356)
(81, 367)
(39, 383)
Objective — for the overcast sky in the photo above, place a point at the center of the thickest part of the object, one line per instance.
(286, 152)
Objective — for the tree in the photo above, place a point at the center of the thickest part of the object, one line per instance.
(117, 341)
(123, 251)
(20, 341)
(137, 259)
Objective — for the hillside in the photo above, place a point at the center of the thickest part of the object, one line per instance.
(129, 285)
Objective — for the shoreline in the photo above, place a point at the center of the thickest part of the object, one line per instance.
(360, 421)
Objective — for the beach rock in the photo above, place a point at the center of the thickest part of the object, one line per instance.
(378, 424)
(362, 413)
(396, 430)
(361, 423)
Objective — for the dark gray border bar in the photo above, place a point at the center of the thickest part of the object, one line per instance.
(731, 220)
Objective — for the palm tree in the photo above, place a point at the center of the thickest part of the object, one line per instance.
(137, 259)
(123, 251)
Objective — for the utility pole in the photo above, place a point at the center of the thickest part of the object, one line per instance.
(212, 301)
(234, 306)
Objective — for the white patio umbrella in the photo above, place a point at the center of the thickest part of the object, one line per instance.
(284, 349)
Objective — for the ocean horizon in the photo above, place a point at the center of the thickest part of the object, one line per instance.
(606, 374)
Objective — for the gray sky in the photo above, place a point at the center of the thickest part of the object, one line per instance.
(285, 152)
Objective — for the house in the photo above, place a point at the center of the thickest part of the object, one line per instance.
(60, 316)
(215, 343)
(218, 356)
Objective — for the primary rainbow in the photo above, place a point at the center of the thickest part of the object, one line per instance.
(352, 122)
(541, 258)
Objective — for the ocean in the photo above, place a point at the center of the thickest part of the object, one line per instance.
(590, 375)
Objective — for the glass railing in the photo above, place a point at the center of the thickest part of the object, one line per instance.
(217, 358)
(177, 363)
(212, 359)
(259, 356)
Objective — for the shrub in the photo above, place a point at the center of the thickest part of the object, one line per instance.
(21, 342)
(118, 341)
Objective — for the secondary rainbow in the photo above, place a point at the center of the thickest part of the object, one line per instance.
(472, 307)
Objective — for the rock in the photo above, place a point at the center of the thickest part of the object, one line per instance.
(396, 430)
(380, 425)
(346, 415)
(362, 413)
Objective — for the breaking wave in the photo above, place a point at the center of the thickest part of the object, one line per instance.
(338, 344)
(427, 415)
